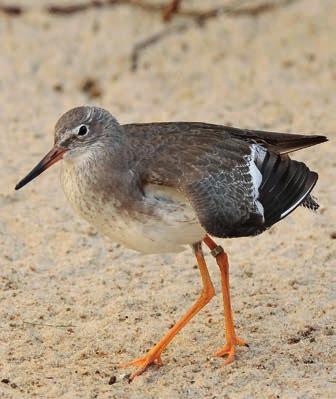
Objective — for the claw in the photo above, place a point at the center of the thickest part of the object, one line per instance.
(143, 363)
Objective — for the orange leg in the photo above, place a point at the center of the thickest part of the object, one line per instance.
(231, 338)
(154, 355)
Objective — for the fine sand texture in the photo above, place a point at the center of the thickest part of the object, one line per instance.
(74, 305)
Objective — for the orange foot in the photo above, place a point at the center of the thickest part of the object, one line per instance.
(230, 349)
(143, 363)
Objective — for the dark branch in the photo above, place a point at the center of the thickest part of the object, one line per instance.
(236, 8)
(75, 8)
(149, 41)
(12, 11)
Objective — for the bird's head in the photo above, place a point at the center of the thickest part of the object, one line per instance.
(77, 133)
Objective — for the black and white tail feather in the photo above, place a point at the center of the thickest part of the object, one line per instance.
(269, 188)
(285, 183)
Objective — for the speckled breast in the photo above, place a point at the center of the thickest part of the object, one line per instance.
(165, 221)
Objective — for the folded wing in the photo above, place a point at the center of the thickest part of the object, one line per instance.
(240, 182)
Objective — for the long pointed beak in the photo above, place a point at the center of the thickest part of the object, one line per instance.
(52, 157)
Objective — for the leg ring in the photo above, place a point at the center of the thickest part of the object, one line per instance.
(216, 251)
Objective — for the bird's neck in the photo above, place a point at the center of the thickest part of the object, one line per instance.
(93, 163)
(103, 169)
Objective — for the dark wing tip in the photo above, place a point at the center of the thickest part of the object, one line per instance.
(320, 139)
(281, 143)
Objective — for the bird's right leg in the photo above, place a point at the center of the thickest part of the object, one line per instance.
(231, 338)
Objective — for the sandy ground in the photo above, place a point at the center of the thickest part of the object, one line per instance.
(74, 305)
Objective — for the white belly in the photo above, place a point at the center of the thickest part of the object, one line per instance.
(169, 232)
(171, 226)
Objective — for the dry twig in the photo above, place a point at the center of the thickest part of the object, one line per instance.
(75, 8)
(149, 41)
(236, 8)
(12, 11)
(233, 9)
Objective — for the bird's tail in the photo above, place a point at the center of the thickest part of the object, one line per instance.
(286, 184)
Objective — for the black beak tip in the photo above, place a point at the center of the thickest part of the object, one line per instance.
(20, 184)
(53, 156)
(24, 181)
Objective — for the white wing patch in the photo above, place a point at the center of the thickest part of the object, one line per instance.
(256, 175)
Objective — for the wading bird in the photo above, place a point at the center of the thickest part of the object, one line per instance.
(156, 187)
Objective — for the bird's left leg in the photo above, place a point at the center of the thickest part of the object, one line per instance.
(231, 338)
(154, 355)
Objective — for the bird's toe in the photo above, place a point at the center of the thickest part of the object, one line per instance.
(142, 363)
(229, 349)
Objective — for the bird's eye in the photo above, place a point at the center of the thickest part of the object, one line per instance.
(82, 131)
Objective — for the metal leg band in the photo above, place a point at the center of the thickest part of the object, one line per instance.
(216, 251)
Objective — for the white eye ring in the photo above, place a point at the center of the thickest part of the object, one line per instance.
(83, 130)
